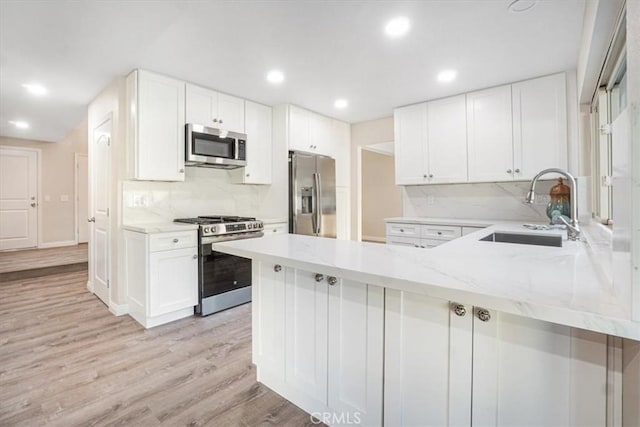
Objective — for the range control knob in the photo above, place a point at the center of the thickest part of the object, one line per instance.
(213, 229)
(206, 230)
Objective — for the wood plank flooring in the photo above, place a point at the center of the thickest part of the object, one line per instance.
(41, 258)
(66, 360)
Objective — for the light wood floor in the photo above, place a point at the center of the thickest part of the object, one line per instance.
(41, 258)
(65, 360)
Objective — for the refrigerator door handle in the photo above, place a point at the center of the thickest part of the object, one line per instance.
(315, 219)
(319, 202)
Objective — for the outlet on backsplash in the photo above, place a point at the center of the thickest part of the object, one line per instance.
(542, 199)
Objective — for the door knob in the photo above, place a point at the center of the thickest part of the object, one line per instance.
(319, 277)
(484, 315)
(459, 309)
(92, 219)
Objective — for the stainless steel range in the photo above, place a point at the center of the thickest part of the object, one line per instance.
(224, 280)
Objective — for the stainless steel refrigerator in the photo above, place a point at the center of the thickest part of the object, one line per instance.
(312, 194)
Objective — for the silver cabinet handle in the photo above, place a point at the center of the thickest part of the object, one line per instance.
(175, 240)
(430, 175)
(195, 256)
(424, 176)
(332, 280)
(277, 268)
(33, 204)
(509, 171)
(181, 170)
(248, 175)
(417, 246)
(402, 230)
(459, 309)
(319, 277)
(220, 120)
(484, 315)
(215, 120)
(517, 171)
(92, 219)
(439, 233)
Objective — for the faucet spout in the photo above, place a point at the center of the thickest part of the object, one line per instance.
(573, 227)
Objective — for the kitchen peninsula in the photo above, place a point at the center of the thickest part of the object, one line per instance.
(502, 333)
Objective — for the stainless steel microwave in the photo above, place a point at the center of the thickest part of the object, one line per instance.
(214, 148)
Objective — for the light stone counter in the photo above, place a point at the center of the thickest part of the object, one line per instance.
(566, 285)
(162, 227)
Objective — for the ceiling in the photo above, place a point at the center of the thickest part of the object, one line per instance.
(327, 50)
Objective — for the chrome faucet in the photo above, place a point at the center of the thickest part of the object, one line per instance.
(573, 228)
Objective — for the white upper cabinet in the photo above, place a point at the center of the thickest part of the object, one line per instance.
(341, 140)
(309, 132)
(447, 140)
(213, 109)
(156, 127)
(539, 125)
(259, 146)
(410, 127)
(490, 135)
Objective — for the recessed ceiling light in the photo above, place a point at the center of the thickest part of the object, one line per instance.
(341, 103)
(20, 124)
(447, 76)
(519, 6)
(397, 27)
(275, 76)
(35, 88)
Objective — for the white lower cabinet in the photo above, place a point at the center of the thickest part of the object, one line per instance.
(327, 357)
(161, 272)
(448, 367)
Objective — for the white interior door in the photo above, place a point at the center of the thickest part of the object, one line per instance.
(100, 233)
(18, 198)
(82, 197)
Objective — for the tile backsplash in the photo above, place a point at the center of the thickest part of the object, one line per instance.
(503, 200)
(204, 192)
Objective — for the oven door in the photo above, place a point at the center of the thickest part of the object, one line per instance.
(221, 272)
(214, 147)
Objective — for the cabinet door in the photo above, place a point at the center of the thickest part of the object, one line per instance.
(306, 337)
(160, 134)
(320, 135)
(410, 144)
(268, 293)
(427, 362)
(341, 140)
(530, 372)
(258, 120)
(489, 135)
(173, 280)
(231, 113)
(299, 122)
(356, 327)
(201, 106)
(411, 242)
(447, 140)
(539, 125)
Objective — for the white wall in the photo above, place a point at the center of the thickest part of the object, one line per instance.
(381, 198)
(58, 180)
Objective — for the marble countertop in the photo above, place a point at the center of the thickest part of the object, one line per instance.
(566, 285)
(161, 227)
(443, 221)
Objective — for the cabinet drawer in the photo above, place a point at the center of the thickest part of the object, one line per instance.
(469, 230)
(281, 228)
(431, 243)
(408, 230)
(413, 242)
(441, 232)
(168, 241)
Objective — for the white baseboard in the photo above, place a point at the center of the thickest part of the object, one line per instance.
(58, 244)
(118, 309)
(373, 239)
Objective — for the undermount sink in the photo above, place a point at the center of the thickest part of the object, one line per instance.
(524, 239)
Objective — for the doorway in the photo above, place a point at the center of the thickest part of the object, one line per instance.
(380, 197)
(19, 197)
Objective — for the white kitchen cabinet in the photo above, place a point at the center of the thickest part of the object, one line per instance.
(161, 272)
(309, 132)
(490, 135)
(447, 140)
(420, 235)
(259, 146)
(343, 213)
(427, 366)
(341, 140)
(155, 127)
(410, 129)
(306, 332)
(539, 125)
(355, 349)
(214, 109)
(530, 372)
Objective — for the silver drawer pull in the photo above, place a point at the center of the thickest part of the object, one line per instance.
(459, 309)
(319, 277)
(484, 315)
(195, 257)
(175, 240)
(277, 268)
(332, 280)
